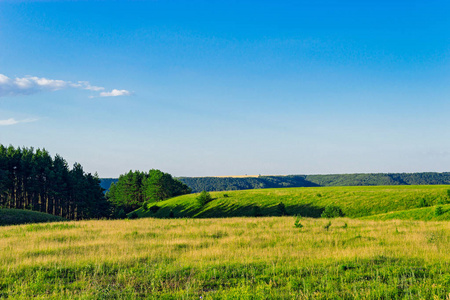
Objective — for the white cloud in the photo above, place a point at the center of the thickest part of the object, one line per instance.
(3, 79)
(31, 84)
(85, 85)
(12, 121)
(115, 93)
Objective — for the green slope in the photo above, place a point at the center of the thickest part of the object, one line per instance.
(309, 202)
(419, 214)
(20, 216)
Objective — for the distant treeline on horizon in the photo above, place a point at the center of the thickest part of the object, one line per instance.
(198, 184)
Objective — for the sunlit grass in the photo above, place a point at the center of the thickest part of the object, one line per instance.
(309, 201)
(226, 258)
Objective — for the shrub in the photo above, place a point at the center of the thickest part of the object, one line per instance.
(281, 208)
(438, 211)
(154, 208)
(332, 212)
(121, 214)
(422, 203)
(225, 195)
(133, 215)
(204, 198)
(297, 223)
(445, 199)
(256, 211)
(327, 226)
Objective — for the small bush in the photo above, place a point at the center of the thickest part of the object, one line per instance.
(225, 195)
(327, 226)
(154, 208)
(438, 211)
(297, 223)
(422, 203)
(121, 214)
(256, 211)
(204, 198)
(133, 215)
(445, 199)
(332, 212)
(281, 209)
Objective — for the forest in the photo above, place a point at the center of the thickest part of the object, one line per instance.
(32, 179)
(198, 184)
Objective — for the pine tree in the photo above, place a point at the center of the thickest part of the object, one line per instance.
(33, 180)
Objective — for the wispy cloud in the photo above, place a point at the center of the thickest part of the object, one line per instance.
(12, 121)
(31, 84)
(115, 93)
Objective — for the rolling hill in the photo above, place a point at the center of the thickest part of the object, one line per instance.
(21, 216)
(354, 202)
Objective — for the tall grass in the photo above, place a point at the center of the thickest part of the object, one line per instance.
(235, 258)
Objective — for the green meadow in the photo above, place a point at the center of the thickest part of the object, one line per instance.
(228, 258)
(354, 202)
(393, 243)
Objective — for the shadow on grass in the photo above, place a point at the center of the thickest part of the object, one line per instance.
(224, 210)
(12, 216)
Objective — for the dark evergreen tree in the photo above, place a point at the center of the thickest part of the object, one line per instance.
(34, 180)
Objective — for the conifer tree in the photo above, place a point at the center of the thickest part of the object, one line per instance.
(32, 179)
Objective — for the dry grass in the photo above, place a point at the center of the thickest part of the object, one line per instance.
(197, 244)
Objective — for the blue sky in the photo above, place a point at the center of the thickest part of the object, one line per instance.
(199, 88)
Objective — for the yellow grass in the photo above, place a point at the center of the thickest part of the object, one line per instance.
(196, 242)
(234, 258)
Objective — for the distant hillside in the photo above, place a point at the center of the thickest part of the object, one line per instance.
(198, 184)
(355, 202)
(21, 216)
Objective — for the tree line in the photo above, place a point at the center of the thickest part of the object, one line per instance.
(32, 179)
(135, 189)
(199, 184)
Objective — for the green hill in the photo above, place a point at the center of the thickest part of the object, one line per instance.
(308, 202)
(20, 216)
(419, 214)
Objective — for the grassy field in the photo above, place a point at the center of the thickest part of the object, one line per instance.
(308, 202)
(423, 214)
(232, 258)
(20, 216)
